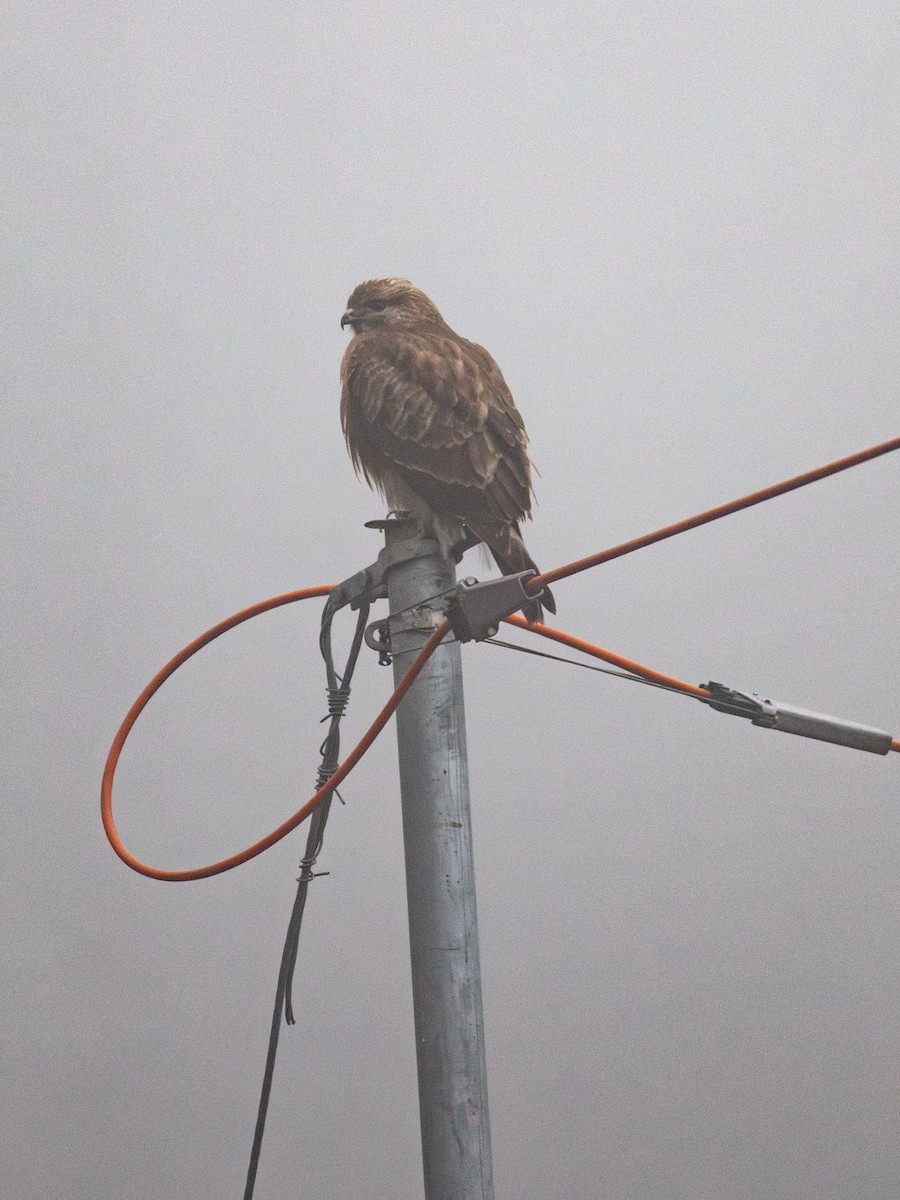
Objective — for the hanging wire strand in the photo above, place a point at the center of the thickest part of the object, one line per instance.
(338, 693)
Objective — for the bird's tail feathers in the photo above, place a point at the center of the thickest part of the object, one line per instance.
(505, 544)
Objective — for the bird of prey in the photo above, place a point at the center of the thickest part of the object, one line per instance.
(431, 424)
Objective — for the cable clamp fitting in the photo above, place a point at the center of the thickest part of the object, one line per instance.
(773, 714)
(477, 609)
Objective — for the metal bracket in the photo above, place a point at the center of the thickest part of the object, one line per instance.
(478, 608)
(786, 718)
(475, 609)
(370, 584)
(378, 637)
(740, 704)
(423, 618)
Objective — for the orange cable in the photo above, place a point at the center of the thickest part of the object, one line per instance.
(617, 660)
(424, 654)
(276, 835)
(627, 664)
(711, 514)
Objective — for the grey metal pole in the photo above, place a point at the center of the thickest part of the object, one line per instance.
(440, 889)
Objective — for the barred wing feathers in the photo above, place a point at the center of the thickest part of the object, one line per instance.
(423, 406)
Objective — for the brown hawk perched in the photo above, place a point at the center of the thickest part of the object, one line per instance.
(431, 424)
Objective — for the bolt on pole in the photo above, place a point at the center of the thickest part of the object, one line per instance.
(440, 887)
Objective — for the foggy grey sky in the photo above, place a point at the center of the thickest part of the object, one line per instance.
(676, 229)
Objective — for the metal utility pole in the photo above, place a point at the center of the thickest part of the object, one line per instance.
(440, 884)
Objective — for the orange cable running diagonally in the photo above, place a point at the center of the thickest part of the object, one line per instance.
(617, 660)
(285, 828)
(712, 514)
(434, 640)
(626, 664)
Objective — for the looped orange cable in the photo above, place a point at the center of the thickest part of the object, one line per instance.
(235, 860)
(384, 716)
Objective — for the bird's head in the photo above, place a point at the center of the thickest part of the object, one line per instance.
(388, 304)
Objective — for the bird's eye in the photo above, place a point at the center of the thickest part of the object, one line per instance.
(377, 305)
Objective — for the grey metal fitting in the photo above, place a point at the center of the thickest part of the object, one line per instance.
(787, 718)
(478, 608)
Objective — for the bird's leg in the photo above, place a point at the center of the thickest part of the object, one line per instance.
(466, 541)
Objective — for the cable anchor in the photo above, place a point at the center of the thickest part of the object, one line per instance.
(787, 718)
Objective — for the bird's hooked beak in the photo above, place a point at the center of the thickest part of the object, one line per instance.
(347, 318)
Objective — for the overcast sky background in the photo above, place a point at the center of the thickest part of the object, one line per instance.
(676, 228)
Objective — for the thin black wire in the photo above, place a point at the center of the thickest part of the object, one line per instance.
(338, 695)
(719, 704)
(573, 662)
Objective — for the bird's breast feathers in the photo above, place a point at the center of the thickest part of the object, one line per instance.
(436, 410)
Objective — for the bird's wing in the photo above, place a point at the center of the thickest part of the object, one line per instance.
(437, 410)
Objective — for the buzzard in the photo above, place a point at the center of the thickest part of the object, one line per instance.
(431, 424)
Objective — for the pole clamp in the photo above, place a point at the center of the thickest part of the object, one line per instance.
(786, 718)
(370, 584)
